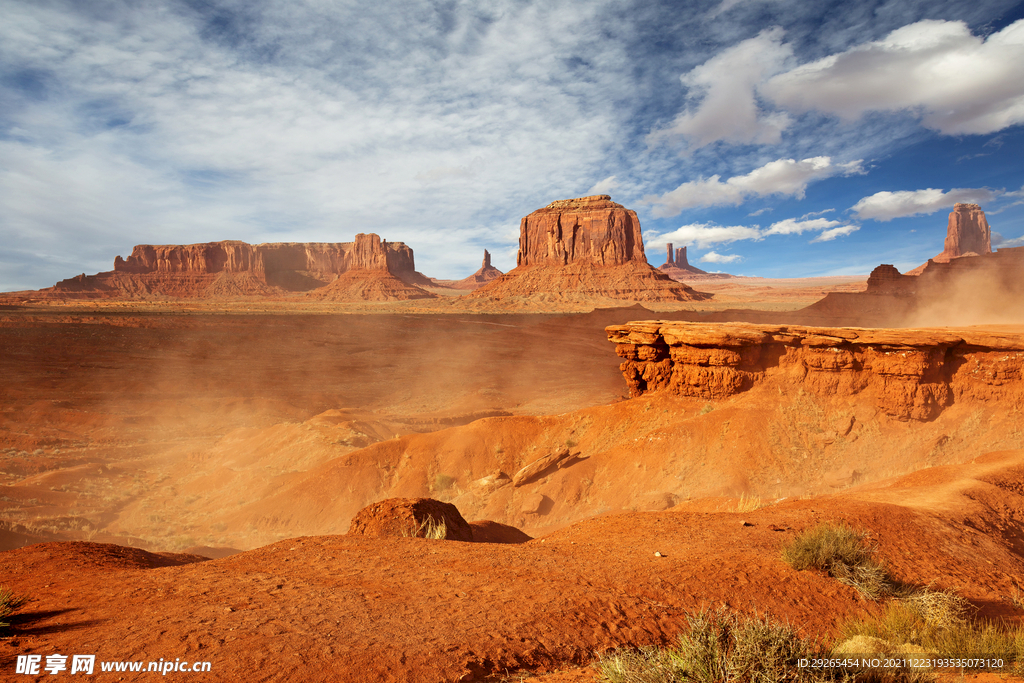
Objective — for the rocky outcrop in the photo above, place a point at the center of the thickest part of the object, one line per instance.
(478, 279)
(913, 374)
(587, 250)
(967, 232)
(413, 517)
(592, 230)
(678, 267)
(234, 268)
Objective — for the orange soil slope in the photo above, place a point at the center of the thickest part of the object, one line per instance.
(340, 608)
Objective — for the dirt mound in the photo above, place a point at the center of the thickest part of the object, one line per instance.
(368, 285)
(410, 517)
(967, 290)
(585, 283)
(406, 609)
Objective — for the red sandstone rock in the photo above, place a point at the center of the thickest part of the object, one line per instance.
(233, 269)
(967, 232)
(478, 279)
(584, 250)
(588, 229)
(410, 517)
(678, 267)
(914, 374)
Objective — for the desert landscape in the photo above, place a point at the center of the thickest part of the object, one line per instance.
(516, 341)
(312, 461)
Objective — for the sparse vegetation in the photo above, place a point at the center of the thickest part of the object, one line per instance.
(937, 622)
(706, 409)
(749, 504)
(718, 646)
(429, 528)
(9, 604)
(844, 554)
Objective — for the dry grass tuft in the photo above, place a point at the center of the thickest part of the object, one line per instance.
(9, 604)
(844, 554)
(429, 528)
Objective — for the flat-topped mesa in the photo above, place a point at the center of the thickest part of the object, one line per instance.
(583, 252)
(587, 229)
(232, 268)
(913, 374)
(367, 252)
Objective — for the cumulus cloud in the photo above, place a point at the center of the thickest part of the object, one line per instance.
(795, 226)
(296, 121)
(884, 206)
(960, 83)
(723, 100)
(704, 235)
(715, 257)
(999, 241)
(786, 177)
(604, 186)
(832, 233)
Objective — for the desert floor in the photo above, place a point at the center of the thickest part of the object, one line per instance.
(134, 437)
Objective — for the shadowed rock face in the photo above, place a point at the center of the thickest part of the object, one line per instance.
(967, 232)
(914, 374)
(588, 229)
(410, 517)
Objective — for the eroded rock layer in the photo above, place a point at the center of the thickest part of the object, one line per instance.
(234, 268)
(587, 229)
(585, 250)
(914, 374)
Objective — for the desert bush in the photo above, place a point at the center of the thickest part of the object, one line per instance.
(9, 604)
(939, 623)
(717, 646)
(842, 553)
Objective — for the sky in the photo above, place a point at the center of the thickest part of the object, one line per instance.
(774, 138)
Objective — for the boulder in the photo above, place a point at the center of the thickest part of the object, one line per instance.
(412, 517)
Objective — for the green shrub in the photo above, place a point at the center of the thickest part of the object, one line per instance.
(443, 482)
(843, 554)
(9, 604)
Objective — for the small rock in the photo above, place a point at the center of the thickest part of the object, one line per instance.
(658, 554)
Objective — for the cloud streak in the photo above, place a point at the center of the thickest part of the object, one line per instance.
(885, 206)
(786, 177)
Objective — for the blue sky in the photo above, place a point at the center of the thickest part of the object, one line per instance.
(780, 138)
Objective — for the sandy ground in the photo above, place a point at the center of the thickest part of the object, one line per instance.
(210, 428)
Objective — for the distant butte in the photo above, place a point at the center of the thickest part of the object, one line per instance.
(367, 269)
(967, 234)
(678, 267)
(478, 279)
(584, 249)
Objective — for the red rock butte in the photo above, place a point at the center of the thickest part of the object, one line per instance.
(967, 232)
(368, 268)
(588, 248)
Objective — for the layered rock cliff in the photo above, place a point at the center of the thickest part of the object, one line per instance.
(912, 374)
(591, 229)
(234, 268)
(967, 232)
(587, 250)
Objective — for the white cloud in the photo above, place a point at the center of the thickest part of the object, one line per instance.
(151, 129)
(604, 186)
(786, 177)
(1001, 242)
(725, 85)
(794, 226)
(959, 83)
(831, 234)
(715, 257)
(884, 206)
(704, 235)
